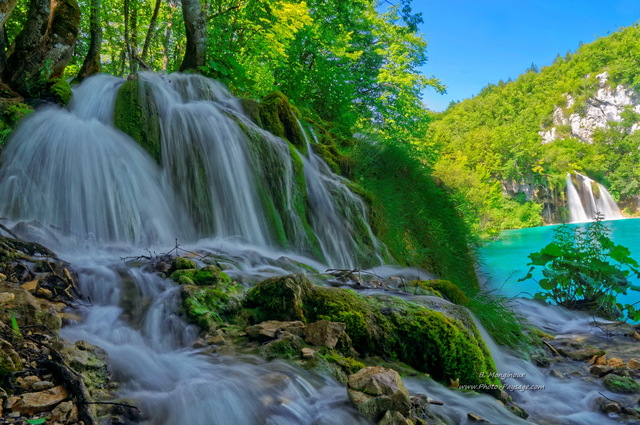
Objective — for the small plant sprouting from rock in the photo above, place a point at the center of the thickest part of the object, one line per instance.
(584, 269)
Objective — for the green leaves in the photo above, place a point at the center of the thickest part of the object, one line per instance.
(584, 268)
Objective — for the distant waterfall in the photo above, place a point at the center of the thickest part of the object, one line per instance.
(586, 197)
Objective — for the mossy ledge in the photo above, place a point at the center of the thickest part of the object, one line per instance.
(427, 340)
(136, 114)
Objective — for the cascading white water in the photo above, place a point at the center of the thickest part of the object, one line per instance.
(584, 202)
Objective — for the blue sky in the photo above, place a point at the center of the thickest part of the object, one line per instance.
(476, 42)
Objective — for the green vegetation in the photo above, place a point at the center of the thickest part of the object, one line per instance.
(491, 153)
(583, 269)
(413, 215)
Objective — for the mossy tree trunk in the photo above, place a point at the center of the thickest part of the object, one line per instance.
(44, 46)
(6, 7)
(195, 25)
(91, 64)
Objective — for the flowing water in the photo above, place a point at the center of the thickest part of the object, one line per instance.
(586, 197)
(72, 181)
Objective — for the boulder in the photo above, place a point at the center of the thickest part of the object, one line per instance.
(621, 384)
(600, 370)
(634, 364)
(271, 329)
(31, 403)
(280, 298)
(393, 417)
(374, 390)
(324, 333)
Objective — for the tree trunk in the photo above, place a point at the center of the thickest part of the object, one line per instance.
(91, 64)
(196, 31)
(44, 46)
(152, 27)
(6, 7)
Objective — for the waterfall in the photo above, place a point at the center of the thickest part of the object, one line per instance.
(587, 197)
(216, 175)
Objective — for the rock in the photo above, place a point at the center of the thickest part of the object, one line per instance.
(30, 286)
(621, 384)
(286, 347)
(612, 408)
(599, 370)
(615, 362)
(216, 340)
(374, 390)
(580, 354)
(270, 329)
(29, 310)
(308, 353)
(42, 385)
(476, 418)
(634, 364)
(10, 402)
(324, 333)
(635, 335)
(31, 403)
(26, 382)
(62, 412)
(556, 373)
(393, 417)
(6, 297)
(280, 298)
(181, 263)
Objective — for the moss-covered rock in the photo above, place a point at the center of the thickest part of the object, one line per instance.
(137, 115)
(279, 298)
(277, 116)
(206, 276)
(209, 306)
(181, 263)
(621, 384)
(444, 288)
(430, 341)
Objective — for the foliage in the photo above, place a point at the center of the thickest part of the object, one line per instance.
(499, 320)
(413, 215)
(491, 142)
(584, 269)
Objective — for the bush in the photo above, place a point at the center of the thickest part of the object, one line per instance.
(584, 269)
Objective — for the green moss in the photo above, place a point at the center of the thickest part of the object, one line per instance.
(348, 364)
(137, 115)
(205, 306)
(287, 347)
(427, 340)
(206, 276)
(279, 298)
(621, 384)
(61, 91)
(181, 263)
(280, 118)
(15, 112)
(447, 289)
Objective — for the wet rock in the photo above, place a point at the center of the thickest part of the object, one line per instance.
(556, 373)
(181, 263)
(600, 370)
(6, 297)
(635, 335)
(476, 418)
(634, 364)
(621, 384)
(271, 329)
(580, 354)
(281, 297)
(307, 353)
(374, 390)
(91, 362)
(288, 346)
(31, 403)
(612, 408)
(616, 362)
(324, 333)
(29, 310)
(393, 417)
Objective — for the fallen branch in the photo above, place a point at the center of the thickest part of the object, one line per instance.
(552, 348)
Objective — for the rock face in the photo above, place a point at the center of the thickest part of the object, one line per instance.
(375, 390)
(607, 105)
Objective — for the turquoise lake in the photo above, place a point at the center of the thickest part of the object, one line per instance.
(504, 261)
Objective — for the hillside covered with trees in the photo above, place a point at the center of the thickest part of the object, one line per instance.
(493, 150)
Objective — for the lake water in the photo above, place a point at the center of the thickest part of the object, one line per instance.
(504, 261)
